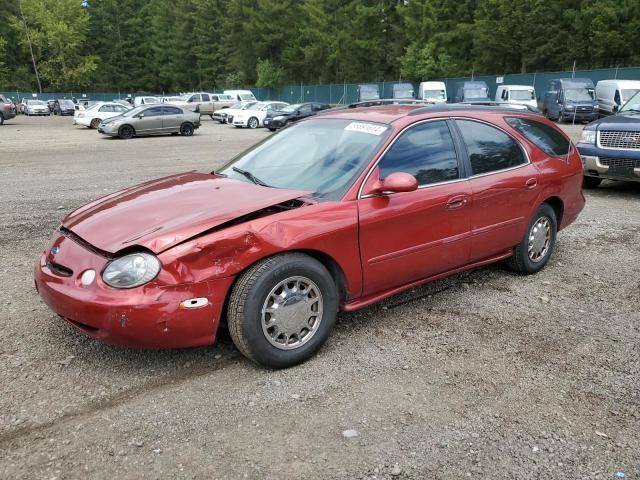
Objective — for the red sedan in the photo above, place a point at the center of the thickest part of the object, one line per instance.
(333, 213)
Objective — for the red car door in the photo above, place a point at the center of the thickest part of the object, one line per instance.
(413, 235)
(504, 186)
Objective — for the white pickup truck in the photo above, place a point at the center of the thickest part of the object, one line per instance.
(204, 103)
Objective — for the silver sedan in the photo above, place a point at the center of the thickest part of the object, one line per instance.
(151, 120)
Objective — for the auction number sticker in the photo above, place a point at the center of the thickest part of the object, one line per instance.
(363, 127)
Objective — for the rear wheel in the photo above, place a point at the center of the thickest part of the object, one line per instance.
(126, 132)
(591, 182)
(282, 309)
(533, 253)
(95, 123)
(253, 122)
(186, 129)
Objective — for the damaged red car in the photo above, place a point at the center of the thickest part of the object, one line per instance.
(333, 213)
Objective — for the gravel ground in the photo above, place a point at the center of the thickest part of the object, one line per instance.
(483, 375)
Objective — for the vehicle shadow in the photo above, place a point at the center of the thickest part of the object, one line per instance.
(617, 189)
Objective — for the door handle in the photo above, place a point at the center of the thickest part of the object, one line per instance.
(531, 183)
(457, 201)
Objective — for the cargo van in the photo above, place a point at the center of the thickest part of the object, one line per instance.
(241, 95)
(368, 91)
(403, 90)
(571, 99)
(517, 94)
(471, 91)
(612, 94)
(435, 92)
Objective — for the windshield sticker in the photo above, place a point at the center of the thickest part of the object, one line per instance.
(366, 128)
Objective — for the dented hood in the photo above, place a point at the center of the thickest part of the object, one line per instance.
(162, 213)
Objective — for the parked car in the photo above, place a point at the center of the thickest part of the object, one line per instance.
(36, 107)
(292, 113)
(241, 95)
(571, 99)
(403, 90)
(332, 214)
(610, 147)
(517, 94)
(368, 91)
(50, 104)
(151, 120)
(137, 101)
(22, 106)
(254, 115)
(93, 116)
(63, 107)
(223, 116)
(433, 92)
(221, 101)
(200, 102)
(7, 109)
(612, 94)
(471, 91)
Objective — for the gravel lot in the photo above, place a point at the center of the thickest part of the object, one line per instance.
(484, 375)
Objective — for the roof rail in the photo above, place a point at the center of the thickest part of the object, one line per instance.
(491, 106)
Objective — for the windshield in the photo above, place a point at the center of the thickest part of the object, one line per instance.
(633, 104)
(134, 111)
(256, 106)
(578, 95)
(522, 95)
(35, 102)
(435, 94)
(246, 96)
(291, 108)
(476, 92)
(368, 92)
(323, 156)
(627, 93)
(66, 103)
(149, 100)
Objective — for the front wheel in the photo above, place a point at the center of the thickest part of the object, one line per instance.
(591, 182)
(281, 310)
(186, 129)
(1, 119)
(533, 253)
(126, 132)
(95, 123)
(253, 122)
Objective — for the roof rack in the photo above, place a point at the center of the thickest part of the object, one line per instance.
(502, 107)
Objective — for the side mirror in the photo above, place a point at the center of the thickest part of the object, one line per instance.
(615, 108)
(140, 115)
(395, 183)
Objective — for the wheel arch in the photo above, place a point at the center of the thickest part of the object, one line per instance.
(558, 207)
(330, 263)
(127, 125)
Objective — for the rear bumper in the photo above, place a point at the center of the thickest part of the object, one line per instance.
(146, 317)
(610, 163)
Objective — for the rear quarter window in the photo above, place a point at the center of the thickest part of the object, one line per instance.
(546, 138)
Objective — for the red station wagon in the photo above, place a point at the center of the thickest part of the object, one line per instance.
(333, 213)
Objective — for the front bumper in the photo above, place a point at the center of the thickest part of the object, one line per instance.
(579, 116)
(239, 122)
(108, 129)
(39, 112)
(610, 163)
(148, 316)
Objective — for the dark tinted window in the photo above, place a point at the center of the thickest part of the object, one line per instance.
(305, 108)
(172, 111)
(546, 138)
(425, 151)
(489, 149)
(205, 97)
(152, 112)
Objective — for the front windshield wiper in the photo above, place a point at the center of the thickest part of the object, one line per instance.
(250, 176)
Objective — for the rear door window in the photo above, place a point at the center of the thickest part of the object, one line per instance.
(153, 112)
(172, 111)
(546, 138)
(489, 149)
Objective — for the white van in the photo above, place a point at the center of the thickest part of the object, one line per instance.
(517, 94)
(435, 92)
(241, 95)
(612, 94)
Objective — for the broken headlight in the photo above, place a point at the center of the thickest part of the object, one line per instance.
(131, 270)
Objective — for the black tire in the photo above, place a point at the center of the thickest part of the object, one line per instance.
(1, 119)
(559, 119)
(95, 123)
(126, 132)
(253, 123)
(520, 261)
(211, 116)
(186, 129)
(591, 182)
(251, 291)
(272, 129)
